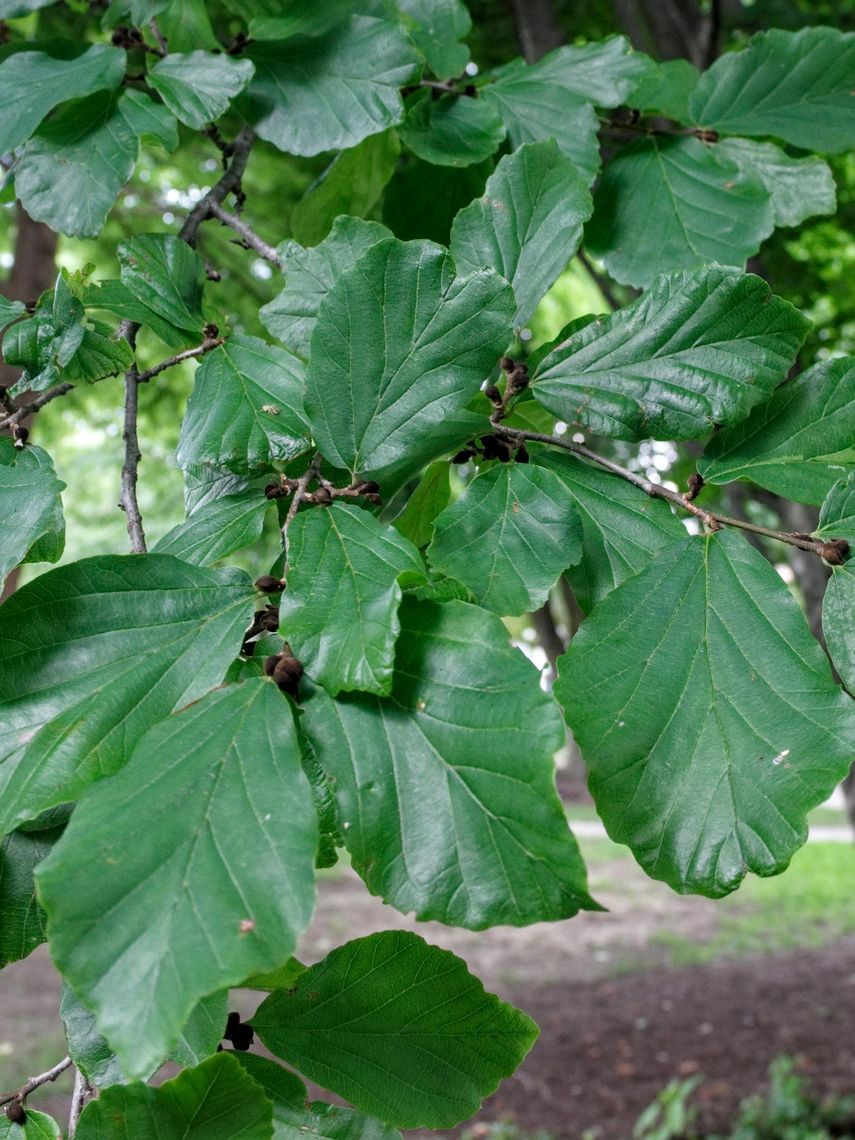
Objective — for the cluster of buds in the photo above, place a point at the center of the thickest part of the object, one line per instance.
(365, 489)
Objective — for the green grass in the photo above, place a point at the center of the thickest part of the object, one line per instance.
(808, 906)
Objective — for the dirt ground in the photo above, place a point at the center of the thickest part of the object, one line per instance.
(616, 1023)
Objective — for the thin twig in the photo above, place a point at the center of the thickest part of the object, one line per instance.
(25, 410)
(130, 467)
(159, 36)
(435, 85)
(247, 233)
(207, 345)
(82, 1092)
(35, 1082)
(303, 482)
(600, 280)
(711, 519)
(239, 154)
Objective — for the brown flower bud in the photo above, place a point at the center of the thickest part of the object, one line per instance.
(15, 1112)
(287, 674)
(835, 552)
(269, 585)
(274, 491)
(493, 394)
(507, 364)
(20, 435)
(522, 454)
(269, 620)
(270, 664)
(695, 484)
(323, 496)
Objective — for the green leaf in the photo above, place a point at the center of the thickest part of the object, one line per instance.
(528, 224)
(163, 847)
(622, 528)
(270, 20)
(331, 91)
(165, 275)
(152, 632)
(246, 408)
(23, 925)
(454, 767)
(432, 495)
(799, 443)
(29, 501)
(604, 72)
(422, 200)
(695, 350)
(215, 1101)
(709, 736)
(203, 1031)
(114, 297)
(44, 344)
(280, 979)
(198, 87)
(666, 89)
(86, 1046)
(401, 344)
(398, 1027)
(508, 537)
(340, 611)
(38, 1127)
(351, 184)
(796, 86)
(675, 203)
(837, 520)
(10, 311)
(217, 529)
(309, 276)
(150, 120)
(294, 1118)
(800, 187)
(186, 25)
(535, 109)
(32, 84)
(98, 355)
(95, 142)
(436, 27)
(454, 130)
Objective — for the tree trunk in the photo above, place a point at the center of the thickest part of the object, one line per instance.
(33, 271)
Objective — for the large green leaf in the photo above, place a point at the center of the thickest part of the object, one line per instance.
(32, 84)
(436, 28)
(294, 1117)
(39, 1126)
(431, 496)
(199, 863)
(710, 733)
(796, 86)
(446, 789)
(666, 88)
(30, 501)
(799, 443)
(401, 345)
(800, 187)
(165, 275)
(22, 925)
(534, 109)
(87, 1048)
(604, 72)
(527, 225)
(697, 349)
(508, 537)
(454, 130)
(246, 409)
(203, 1031)
(95, 143)
(351, 184)
(217, 529)
(673, 203)
(43, 345)
(399, 1028)
(340, 610)
(309, 276)
(215, 1101)
(622, 528)
(92, 654)
(837, 520)
(199, 86)
(329, 92)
